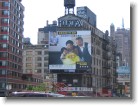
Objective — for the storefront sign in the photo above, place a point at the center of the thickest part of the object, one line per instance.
(70, 23)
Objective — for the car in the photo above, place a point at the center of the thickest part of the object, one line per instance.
(28, 94)
(35, 94)
(56, 95)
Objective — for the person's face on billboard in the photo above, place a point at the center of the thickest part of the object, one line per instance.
(65, 51)
(69, 46)
(79, 42)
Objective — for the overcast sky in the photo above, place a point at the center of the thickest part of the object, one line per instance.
(107, 12)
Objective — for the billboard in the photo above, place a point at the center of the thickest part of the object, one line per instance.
(70, 50)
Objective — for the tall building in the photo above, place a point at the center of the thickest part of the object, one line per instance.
(86, 68)
(112, 32)
(87, 14)
(122, 39)
(11, 36)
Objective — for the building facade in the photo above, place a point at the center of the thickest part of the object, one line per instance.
(43, 33)
(35, 63)
(94, 79)
(35, 60)
(85, 13)
(98, 80)
(122, 38)
(11, 36)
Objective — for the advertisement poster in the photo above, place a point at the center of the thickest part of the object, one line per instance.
(70, 50)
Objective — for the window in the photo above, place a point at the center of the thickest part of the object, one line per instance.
(4, 37)
(3, 45)
(4, 29)
(18, 29)
(18, 44)
(39, 64)
(3, 54)
(2, 85)
(45, 58)
(46, 70)
(19, 15)
(29, 59)
(18, 37)
(28, 65)
(5, 4)
(39, 52)
(2, 72)
(14, 18)
(29, 53)
(45, 64)
(97, 51)
(29, 71)
(19, 22)
(3, 63)
(5, 20)
(19, 8)
(39, 70)
(5, 12)
(39, 58)
(45, 52)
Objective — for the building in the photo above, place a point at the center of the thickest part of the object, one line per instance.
(43, 33)
(123, 79)
(108, 65)
(26, 41)
(35, 60)
(35, 63)
(122, 39)
(32, 80)
(87, 14)
(11, 36)
(95, 77)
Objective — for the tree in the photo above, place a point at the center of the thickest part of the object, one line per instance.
(40, 87)
(29, 87)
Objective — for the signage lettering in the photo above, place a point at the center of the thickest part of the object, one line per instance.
(70, 23)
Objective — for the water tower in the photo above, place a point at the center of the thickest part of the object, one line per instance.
(69, 6)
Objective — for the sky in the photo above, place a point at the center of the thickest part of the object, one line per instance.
(37, 12)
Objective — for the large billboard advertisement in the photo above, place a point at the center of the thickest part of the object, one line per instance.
(70, 50)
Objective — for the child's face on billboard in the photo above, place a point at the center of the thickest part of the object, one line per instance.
(65, 51)
(69, 46)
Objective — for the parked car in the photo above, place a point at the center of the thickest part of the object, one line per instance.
(35, 94)
(56, 95)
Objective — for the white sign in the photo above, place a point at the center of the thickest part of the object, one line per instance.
(76, 89)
